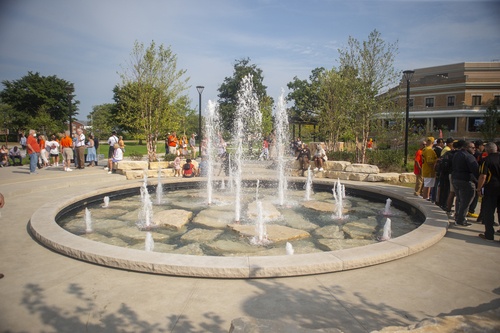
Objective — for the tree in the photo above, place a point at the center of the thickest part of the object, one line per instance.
(491, 126)
(150, 96)
(36, 97)
(305, 95)
(228, 91)
(372, 63)
(101, 120)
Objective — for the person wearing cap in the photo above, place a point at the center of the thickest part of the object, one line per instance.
(429, 158)
(465, 174)
(448, 146)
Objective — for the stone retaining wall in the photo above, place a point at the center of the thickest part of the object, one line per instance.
(332, 169)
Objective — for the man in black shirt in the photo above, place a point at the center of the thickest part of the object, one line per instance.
(489, 179)
(464, 175)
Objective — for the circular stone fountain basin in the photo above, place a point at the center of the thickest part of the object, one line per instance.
(44, 227)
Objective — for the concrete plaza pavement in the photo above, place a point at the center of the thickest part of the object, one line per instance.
(43, 291)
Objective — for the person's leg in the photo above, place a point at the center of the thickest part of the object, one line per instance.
(488, 208)
(465, 194)
(473, 205)
(33, 162)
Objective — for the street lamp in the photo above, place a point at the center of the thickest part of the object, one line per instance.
(200, 90)
(407, 75)
(69, 89)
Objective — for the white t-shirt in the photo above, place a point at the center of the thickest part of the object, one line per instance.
(52, 147)
(118, 154)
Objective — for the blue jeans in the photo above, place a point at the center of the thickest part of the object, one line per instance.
(33, 162)
(464, 192)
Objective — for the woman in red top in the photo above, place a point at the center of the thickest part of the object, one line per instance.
(188, 169)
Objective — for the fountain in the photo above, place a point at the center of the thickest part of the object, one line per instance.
(159, 188)
(211, 132)
(105, 202)
(149, 242)
(387, 208)
(281, 126)
(304, 218)
(88, 221)
(386, 235)
(308, 185)
(339, 195)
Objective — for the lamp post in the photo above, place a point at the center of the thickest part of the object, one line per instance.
(407, 75)
(69, 89)
(200, 90)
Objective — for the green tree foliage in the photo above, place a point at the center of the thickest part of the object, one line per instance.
(150, 98)
(228, 91)
(34, 97)
(101, 120)
(305, 95)
(491, 126)
(372, 65)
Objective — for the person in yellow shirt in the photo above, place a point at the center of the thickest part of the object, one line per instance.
(429, 159)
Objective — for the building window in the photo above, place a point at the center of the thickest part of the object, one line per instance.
(476, 100)
(445, 124)
(410, 102)
(451, 100)
(496, 100)
(474, 124)
(429, 102)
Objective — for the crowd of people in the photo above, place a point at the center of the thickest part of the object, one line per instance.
(456, 173)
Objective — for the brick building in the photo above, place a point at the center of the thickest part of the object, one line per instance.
(452, 98)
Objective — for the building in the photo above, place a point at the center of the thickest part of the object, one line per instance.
(452, 98)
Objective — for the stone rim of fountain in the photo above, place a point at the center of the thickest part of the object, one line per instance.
(44, 228)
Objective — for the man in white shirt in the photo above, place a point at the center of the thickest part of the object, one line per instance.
(80, 149)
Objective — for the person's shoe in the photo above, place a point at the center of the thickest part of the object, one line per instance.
(315, 169)
(1, 276)
(68, 169)
(106, 168)
(109, 172)
(483, 236)
(320, 169)
(474, 216)
(465, 224)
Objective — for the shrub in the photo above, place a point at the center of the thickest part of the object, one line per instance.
(169, 157)
(135, 156)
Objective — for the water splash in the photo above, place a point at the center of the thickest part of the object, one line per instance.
(308, 184)
(386, 234)
(146, 212)
(149, 242)
(159, 188)
(260, 227)
(88, 221)
(289, 249)
(105, 202)
(211, 133)
(387, 209)
(281, 126)
(339, 195)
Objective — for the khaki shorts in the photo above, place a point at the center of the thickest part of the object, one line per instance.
(429, 182)
(67, 154)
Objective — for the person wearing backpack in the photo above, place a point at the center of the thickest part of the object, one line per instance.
(188, 169)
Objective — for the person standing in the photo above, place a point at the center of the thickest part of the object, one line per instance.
(33, 150)
(80, 149)
(417, 170)
(429, 158)
(91, 152)
(22, 141)
(489, 181)
(172, 143)
(67, 151)
(53, 147)
(113, 139)
(465, 173)
(192, 145)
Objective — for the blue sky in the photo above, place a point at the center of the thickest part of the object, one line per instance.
(88, 42)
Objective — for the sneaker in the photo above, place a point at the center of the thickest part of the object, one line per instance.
(106, 168)
(483, 236)
(474, 216)
(315, 169)
(321, 169)
(109, 172)
(466, 224)
(68, 169)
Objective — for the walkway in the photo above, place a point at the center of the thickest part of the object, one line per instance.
(43, 291)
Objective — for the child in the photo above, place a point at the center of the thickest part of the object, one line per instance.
(177, 166)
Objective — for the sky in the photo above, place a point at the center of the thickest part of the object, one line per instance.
(90, 42)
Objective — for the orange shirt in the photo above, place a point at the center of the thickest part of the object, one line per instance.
(31, 141)
(66, 142)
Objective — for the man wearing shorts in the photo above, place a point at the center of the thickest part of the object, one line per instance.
(67, 150)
